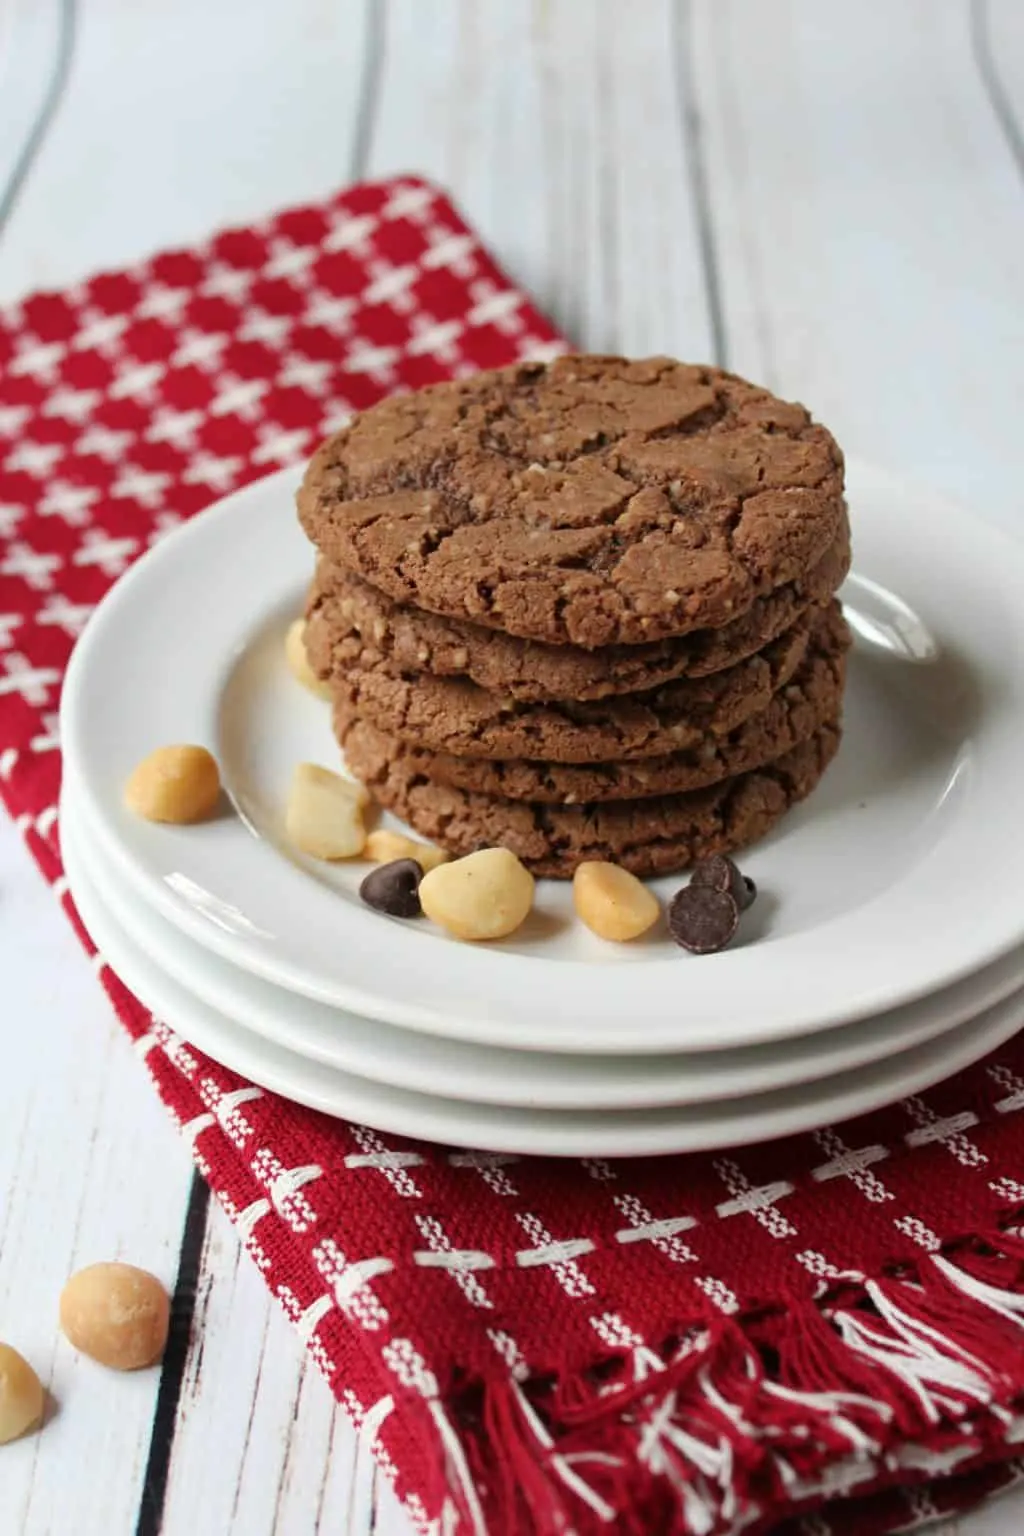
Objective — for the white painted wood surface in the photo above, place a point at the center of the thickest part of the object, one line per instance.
(829, 194)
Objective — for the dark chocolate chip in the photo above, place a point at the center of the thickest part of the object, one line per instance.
(720, 874)
(394, 888)
(702, 919)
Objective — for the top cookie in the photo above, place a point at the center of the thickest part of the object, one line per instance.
(591, 501)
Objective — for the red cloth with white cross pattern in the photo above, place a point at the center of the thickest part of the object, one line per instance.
(825, 1332)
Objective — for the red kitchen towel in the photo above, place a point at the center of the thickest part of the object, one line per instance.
(825, 1333)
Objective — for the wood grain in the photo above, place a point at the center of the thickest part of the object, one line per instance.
(871, 230)
(90, 1168)
(260, 1444)
(37, 42)
(557, 126)
(181, 118)
(997, 34)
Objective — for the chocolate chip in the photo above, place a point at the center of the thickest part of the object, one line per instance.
(394, 888)
(720, 874)
(702, 919)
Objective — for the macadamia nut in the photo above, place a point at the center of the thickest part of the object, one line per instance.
(21, 1395)
(384, 847)
(116, 1314)
(486, 895)
(613, 903)
(174, 784)
(324, 815)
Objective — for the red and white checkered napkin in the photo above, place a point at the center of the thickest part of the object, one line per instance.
(699, 1344)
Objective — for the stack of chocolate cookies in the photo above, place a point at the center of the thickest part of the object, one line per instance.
(582, 610)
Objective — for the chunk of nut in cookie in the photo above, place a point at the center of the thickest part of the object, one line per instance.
(298, 660)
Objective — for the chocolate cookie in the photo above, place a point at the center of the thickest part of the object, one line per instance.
(529, 670)
(591, 501)
(448, 715)
(813, 698)
(649, 837)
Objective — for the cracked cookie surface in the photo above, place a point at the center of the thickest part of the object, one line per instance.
(591, 501)
(410, 639)
(451, 715)
(812, 699)
(648, 837)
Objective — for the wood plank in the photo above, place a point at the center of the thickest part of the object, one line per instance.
(556, 127)
(261, 1445)
(1001, 1516)
(870, 229)
(998, 27)
(90, 1168)
(179, 119)
(34, 38)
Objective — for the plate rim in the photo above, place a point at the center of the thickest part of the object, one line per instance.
(991, 1027)
(149, 931)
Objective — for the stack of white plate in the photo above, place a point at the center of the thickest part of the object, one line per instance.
(885, 951)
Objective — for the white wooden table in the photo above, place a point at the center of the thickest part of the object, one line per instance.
(825, 194)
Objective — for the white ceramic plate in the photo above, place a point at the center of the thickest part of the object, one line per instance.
(489, 1074)
(898, 877)
(544, 1132)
